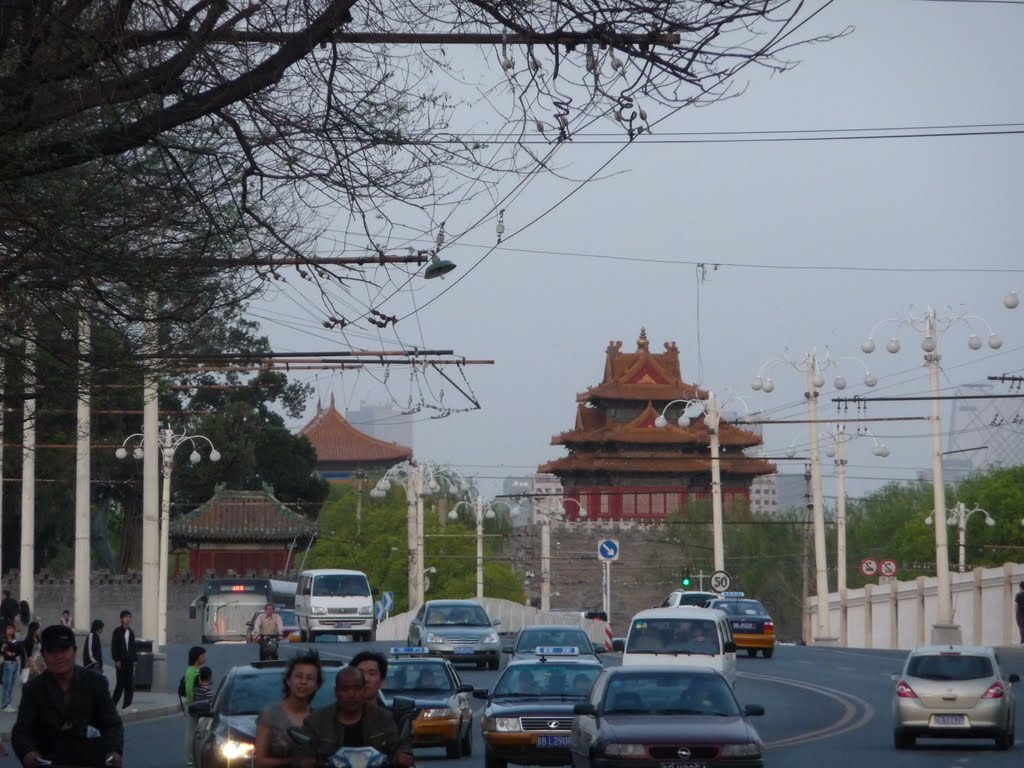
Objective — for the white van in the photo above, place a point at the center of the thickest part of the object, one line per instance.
(331, 601)
(695, 637)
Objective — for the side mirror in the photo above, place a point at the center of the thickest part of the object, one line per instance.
(507, 649)
(753, 710)
(191, 611)
(584, 708)
(481, 693)
(495, 622)
(1014, 678)
(730, 646)
(465, 688)
(599, 649)
(199, 709)
(618, 645)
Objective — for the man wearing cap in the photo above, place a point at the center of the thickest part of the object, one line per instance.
(66, 714)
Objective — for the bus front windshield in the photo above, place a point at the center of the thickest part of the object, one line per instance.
(340, 585)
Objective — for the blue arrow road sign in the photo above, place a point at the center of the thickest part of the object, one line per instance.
(608, 549)
(379, 609)
(388, 598)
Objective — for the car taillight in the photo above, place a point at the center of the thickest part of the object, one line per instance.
(995, 691)
(904, 691)
(769, 627)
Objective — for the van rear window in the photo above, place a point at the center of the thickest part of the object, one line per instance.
(687, 636)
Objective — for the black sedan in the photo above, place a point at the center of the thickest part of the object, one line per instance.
(528, 639)
(528, 714)
(226, 728)
(664, 717)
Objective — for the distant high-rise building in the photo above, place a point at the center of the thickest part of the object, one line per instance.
(385, 422)
(525, 489)
(983, 433)
(778, 494)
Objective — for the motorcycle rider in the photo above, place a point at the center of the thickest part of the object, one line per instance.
(268, 624)
(350, 722)
(66, 714)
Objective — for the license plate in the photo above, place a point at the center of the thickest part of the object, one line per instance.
(684, 765)
(462, 650)
(552, 741)
(744, 626)
(946, 721)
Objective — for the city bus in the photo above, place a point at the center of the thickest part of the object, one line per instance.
(227, 604)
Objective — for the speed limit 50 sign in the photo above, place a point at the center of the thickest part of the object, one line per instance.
(721, 581)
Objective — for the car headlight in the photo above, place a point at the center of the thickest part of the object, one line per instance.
(230, 749)
(434, 714)
(318, 610)
(489, 639)
(502, 724)
(625, 750)
(433, 638)
(366, 610)
(740, 750)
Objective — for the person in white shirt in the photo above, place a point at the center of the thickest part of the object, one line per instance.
(268, 623)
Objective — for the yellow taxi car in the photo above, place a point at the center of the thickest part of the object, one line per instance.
(444, 703)
(752, 626)
(528, 715)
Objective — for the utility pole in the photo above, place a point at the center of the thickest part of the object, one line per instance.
(27, 566)
(83, 476)
(150, 485)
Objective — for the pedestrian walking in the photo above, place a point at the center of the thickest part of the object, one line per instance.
(122, 651)
(24, 614)
(8, 608)
(1019, 599)
(196, 662)
(92, 651)
(12, 656)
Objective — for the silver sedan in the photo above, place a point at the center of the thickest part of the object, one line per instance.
(953, 692)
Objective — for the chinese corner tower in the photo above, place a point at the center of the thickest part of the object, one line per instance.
(620, 466)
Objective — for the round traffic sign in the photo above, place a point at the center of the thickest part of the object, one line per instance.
(608, 549)
(888, 567)
(869, 566)
(721, 581)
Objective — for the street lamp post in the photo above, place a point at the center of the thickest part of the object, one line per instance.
(945, 630)
(814, 380)
(712, 418)
(168, 443)
(545, 548)
(958, 516)
(481, 509)
(418, 480)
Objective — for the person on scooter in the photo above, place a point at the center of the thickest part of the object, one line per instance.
(349, 722)
(66, 714)
(268, 625)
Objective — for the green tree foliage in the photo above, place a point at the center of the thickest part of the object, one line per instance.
(378, 545)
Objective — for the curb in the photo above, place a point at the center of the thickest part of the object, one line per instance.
(153, 713)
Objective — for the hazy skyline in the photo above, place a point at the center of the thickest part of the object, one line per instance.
(741, 248)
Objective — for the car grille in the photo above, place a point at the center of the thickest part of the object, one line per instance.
(701, 752)
(544, 723)
(459, 639)
(341, 611)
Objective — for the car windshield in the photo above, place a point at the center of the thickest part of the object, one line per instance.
(738, 608)
(340, 585)
(456, 616)
(418, 676)
(287, 617)
(663, 693)
(690, 636)
(571, 681)
(693, 598)
(248, 693)
(529, 639)
(949, 667)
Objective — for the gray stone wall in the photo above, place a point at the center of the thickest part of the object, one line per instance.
(111, 593)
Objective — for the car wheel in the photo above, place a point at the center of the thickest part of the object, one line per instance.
(493, 761)
(901, 740)
(751, 652)
(467, 742)
(768, 652)
(1004, 740)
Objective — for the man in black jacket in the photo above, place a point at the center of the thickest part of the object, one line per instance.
(66, 714)
(92, 651)
(8, 608)
(122, 651)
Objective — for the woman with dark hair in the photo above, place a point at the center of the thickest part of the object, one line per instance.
(302, 679)
(34, 663)
(24, 613)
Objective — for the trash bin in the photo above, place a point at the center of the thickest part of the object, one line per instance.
(144, 665)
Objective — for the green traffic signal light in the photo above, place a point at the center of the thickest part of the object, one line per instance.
(686, 581)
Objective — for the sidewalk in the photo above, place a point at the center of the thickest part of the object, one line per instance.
(148, 705)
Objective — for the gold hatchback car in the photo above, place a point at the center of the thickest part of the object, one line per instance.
(953, 692)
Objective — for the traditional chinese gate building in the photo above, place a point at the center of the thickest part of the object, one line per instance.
(620, 466)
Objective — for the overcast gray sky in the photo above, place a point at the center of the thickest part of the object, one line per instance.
(806, 245)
